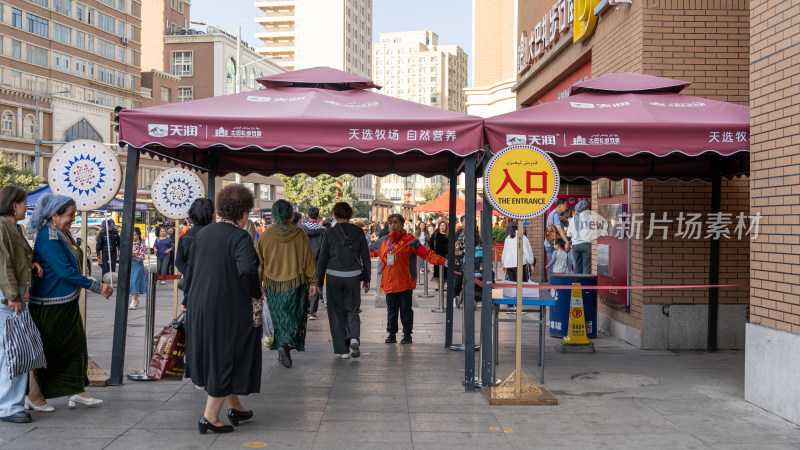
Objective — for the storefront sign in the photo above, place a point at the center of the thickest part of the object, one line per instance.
(585, 20)
(521, 181)
(534, 44)
(561, 90)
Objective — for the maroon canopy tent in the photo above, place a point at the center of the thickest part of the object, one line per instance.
(312, 121)
(630, 125)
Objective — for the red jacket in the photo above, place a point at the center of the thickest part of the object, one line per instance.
(402, 276)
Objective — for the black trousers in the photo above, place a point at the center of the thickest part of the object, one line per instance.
(344, 300)
(511, 273)
(105, 265)
(400, 302)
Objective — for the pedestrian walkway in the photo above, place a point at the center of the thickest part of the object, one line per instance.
(410, 396)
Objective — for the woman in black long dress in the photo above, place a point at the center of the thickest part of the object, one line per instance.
(223, 352)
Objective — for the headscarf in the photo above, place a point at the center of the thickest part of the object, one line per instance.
(281, 212)
(47, 205)
(579, 208)
(108, 222)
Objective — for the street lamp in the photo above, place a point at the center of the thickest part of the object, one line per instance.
(238, 77)
(36, 139)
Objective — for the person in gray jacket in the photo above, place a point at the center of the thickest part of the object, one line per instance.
(343, 263)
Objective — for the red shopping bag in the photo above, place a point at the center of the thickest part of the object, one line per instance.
(168, 353)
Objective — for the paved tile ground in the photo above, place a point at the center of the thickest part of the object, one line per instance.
(411, 397)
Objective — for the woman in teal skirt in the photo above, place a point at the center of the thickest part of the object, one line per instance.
(54, 303)
(289, 276)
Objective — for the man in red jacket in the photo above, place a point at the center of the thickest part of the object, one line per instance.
(399, 274)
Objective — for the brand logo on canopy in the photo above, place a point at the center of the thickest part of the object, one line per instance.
(174, 190)
(87, 171)
(521, 181)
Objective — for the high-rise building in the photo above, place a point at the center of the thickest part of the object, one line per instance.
(299, 34)
(202, 63)
(64, 66)
(493, 58)
(413, 66)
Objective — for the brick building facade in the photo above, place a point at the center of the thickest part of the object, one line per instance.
(773, 334)
(705, 42)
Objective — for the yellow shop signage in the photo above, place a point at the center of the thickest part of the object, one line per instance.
(553, 26)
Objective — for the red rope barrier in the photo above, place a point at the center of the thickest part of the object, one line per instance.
(621, 288)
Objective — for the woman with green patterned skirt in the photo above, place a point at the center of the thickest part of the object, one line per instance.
(54, 303)
(289, 274)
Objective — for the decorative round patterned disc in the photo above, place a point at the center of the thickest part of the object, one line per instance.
(174, 190)
(87, 171)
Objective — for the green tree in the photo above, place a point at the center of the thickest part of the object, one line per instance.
(295, 189)
(362, 209)
(326, 191)
(430, 194)
(12, 173)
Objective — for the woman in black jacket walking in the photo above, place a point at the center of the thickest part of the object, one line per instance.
(344, 262)
(107, 245)
(438, 244)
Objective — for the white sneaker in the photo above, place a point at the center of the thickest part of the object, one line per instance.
(312, 317)
(354, 348)
(134, 304)
(343, 355)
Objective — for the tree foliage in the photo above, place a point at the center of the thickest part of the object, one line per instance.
(322, 192)
(12, 174)
(295, 188)
(430, 194)
(362, 209)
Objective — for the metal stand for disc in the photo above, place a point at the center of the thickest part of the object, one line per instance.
(441, 307)
(462, 346)
(149, 324)
(425, 293)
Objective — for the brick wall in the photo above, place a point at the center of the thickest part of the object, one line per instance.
(702, 41)
(775, 163)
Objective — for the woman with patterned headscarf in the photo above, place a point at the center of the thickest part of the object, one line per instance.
(289, 275)
(53, 303)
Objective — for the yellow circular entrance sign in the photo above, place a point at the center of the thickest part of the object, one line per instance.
(521, 181)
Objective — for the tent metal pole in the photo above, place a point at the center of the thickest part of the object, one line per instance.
(451, 250)
(488, 279)
(212, 176)
(713, 269)
(124, 275)
(469, 274)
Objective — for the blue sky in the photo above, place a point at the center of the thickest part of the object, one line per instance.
(450, 19)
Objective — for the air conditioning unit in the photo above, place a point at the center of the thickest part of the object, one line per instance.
(124, 40)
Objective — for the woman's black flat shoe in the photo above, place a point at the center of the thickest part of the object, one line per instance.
(283, 356)
(234, 415)
(204, 426)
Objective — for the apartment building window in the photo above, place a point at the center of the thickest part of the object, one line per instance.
(63, 6)
(252, 78)
(105, 75)
(16, 18)
(105, 99)
(107, 2)
(121, 54)
(121, 5)
(106, 23)
(80, 12)
(36, 55)
(121, 79)
(120, 28)
(185, 94)
(172, 4)
(180, 6)
(133, 82)
(90, 16)
(7, 124)
(166, 95)
(182, 64)
(61, 62)
(266, 192)
(16, 50)
(105, 48)
(28, 127)
(38, 25)
(62, 33)
(132, 59)
(80, 68)
(42, 3)
(80, 40)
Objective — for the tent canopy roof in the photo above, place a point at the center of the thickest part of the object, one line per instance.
(292, 128)
(628, 125)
